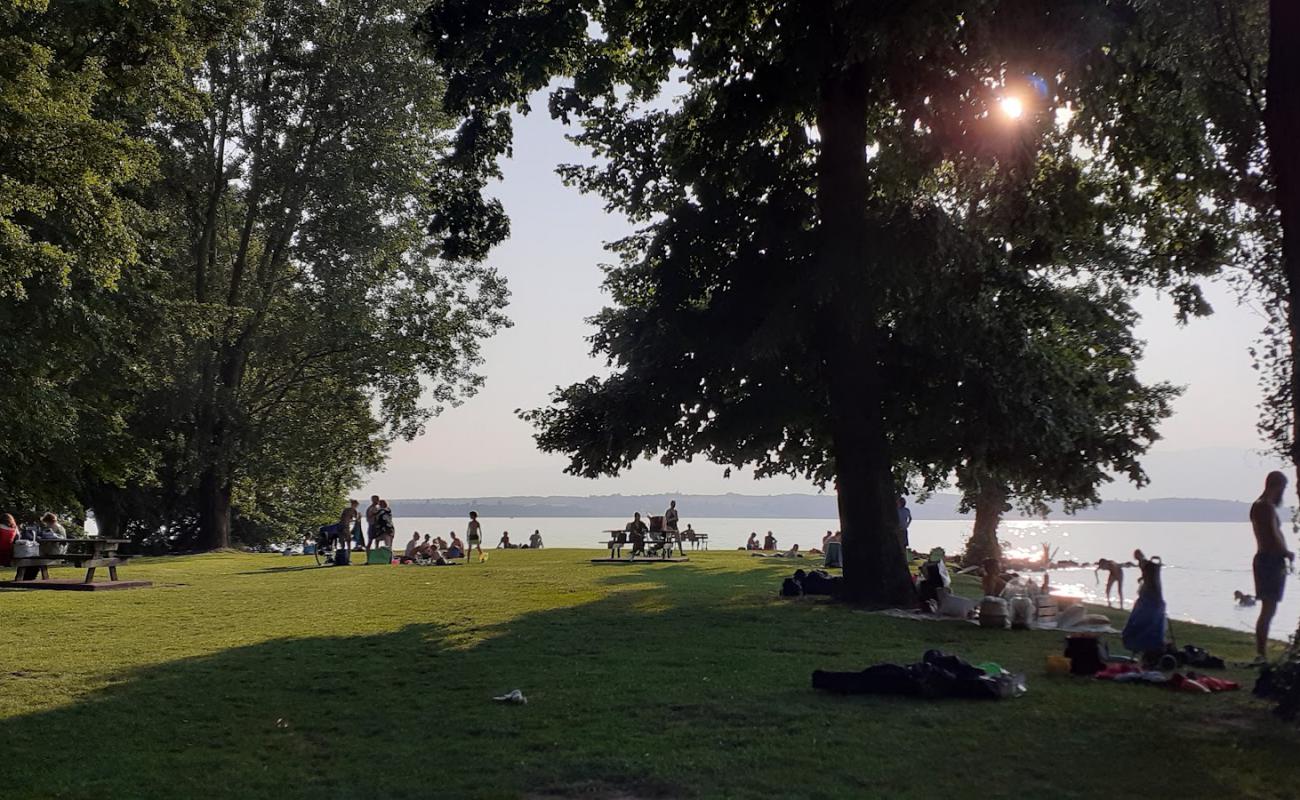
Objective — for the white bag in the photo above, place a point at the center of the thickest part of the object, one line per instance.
(26, 548)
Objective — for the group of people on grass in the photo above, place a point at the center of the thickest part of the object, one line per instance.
(435, 550)
(534, 542)
(380, 531)
(665, 534)
(347, 533)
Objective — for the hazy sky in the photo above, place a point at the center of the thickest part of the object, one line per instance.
(552, 262)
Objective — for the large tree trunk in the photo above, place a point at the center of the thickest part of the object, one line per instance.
(990, 500)
(1282, 129)
(217, 441)
(875, 567)
(214, 509)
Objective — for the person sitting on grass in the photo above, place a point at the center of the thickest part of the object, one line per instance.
(535, 541)
(769, 541)
(993, 583)
(436, 557)
(457, 548)
(753, 544)
(636, 531)
(412, 547)
(504, 542)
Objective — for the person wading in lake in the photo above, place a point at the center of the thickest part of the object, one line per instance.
(1271, 557)
(1114, 577)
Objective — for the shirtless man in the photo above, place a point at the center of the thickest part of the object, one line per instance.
(1271, 557)
(347, 520)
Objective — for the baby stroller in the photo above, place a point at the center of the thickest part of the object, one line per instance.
(327, 538)
(1147, 628)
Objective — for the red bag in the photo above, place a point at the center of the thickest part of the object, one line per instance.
(7, 537)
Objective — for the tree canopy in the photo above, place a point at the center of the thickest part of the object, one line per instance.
(285, 313)
(838, 225)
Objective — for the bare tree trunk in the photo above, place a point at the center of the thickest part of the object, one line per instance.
(875, 566)
(1282, 130)
(990, 500)
(214, 509)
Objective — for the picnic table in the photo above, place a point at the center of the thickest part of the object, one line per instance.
(662, 546)
(90, 553)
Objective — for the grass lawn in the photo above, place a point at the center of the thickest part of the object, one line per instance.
(262, 676)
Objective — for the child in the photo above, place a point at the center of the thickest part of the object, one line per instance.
(474, 536)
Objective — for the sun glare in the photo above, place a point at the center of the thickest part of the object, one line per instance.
(1012, 107)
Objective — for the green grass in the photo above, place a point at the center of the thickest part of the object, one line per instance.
(249, 676)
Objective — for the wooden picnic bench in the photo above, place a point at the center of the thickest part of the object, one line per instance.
(89, 553)
(662, 547)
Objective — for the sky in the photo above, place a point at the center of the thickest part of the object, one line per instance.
(1210, 447)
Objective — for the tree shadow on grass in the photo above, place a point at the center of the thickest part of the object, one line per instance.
(649, 692)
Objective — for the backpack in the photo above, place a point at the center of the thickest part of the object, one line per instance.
(342, 557)
(1087, 654)
(791, 588)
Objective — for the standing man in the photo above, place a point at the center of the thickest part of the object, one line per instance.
(372, 511)
(670, 525)
(904, 520)
(347, 519)
(1271, 557)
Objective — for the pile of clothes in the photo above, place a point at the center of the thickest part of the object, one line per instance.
(817, 581)
(935, 675)
(1191, 682)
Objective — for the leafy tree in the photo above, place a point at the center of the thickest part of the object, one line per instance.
(310, 317)
(80, 85)
(822, 187)
(1077, 413)
(77, 83)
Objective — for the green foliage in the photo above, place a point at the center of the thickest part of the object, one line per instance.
(77, 83)
(312, 317)
(243, 303)
(802, 306)
(80, 83)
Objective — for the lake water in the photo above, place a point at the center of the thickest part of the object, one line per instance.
(1204, 561)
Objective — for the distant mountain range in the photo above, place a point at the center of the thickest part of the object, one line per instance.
(795, 506)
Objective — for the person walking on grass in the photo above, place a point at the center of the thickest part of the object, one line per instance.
(1272, 558)
(474, 536)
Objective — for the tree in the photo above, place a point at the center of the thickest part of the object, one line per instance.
(80, 85)
(794, 206)
(310, 317)
(78, 82)
(1078, 413)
